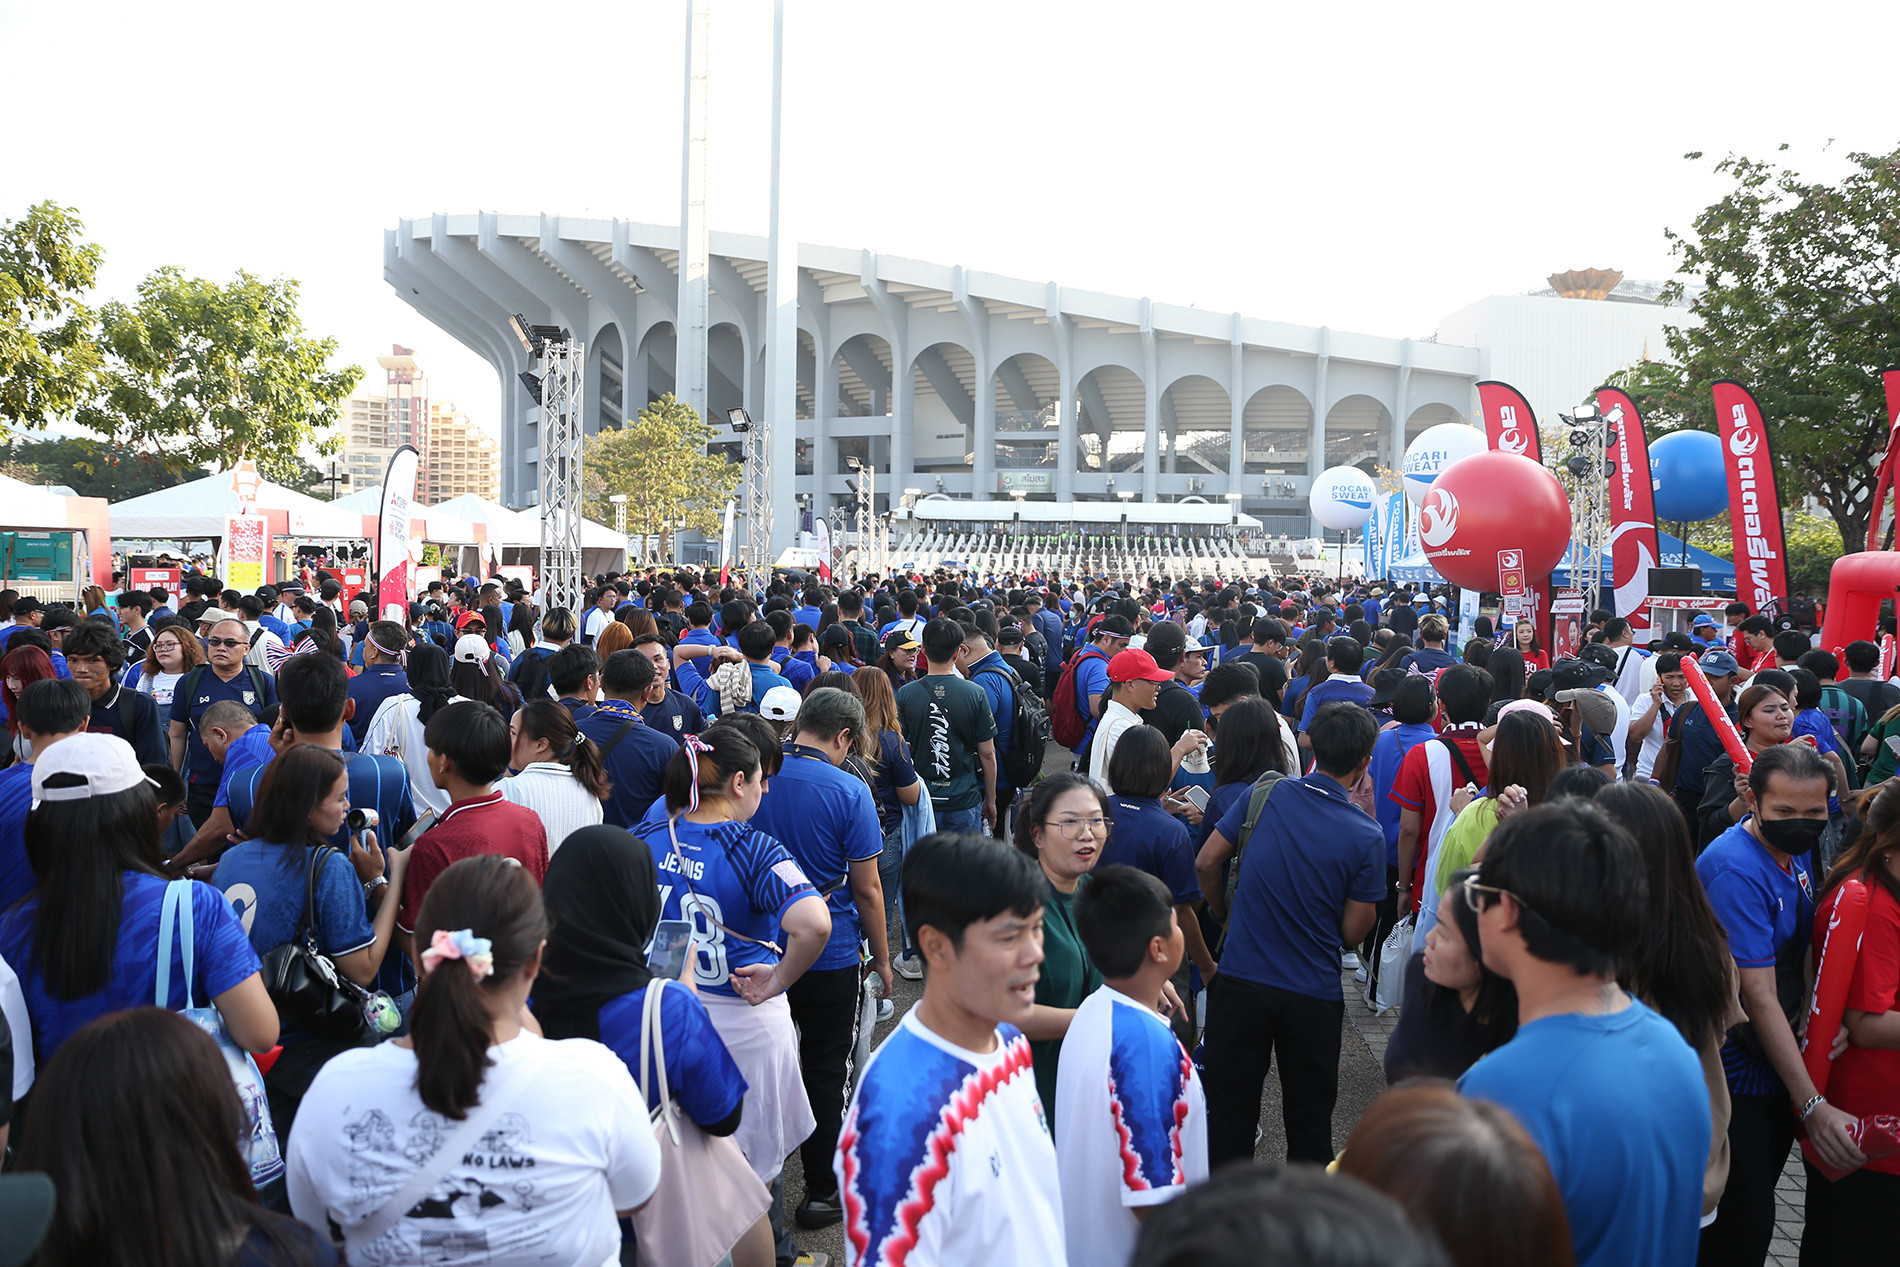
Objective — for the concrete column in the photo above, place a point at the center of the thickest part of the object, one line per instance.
(695, 278)
(824, 463)
(1151, 406)
(1237, 410)
(1402, 406)
(1316, 436)
(903, 421)
(1066, 387)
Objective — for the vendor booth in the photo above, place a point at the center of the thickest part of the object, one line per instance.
(204, 509)
(514, 536)
(52, 545)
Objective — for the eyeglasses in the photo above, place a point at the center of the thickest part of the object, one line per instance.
(1479, 897)
(1072, 827)
(224, 642)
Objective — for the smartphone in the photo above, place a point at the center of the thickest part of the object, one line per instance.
(666, 957)
(1194, 792)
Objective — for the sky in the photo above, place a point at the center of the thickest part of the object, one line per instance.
(1371, 167)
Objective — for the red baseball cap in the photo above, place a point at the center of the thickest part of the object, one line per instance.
(468, 618)
(1136, 666)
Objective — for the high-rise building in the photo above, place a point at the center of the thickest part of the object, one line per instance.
(453, 455)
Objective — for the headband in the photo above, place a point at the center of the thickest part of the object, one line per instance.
(401, 654)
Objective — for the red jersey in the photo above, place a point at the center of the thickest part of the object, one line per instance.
(1866, 1080)
(478, 825)
(1412, 789)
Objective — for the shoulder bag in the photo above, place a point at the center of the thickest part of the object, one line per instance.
(176, 921)
(304, 982)
(708, 1194)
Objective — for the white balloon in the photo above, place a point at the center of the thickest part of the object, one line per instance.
(1434, 449)
(1342, 498)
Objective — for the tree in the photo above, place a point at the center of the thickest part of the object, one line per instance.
(90, 468)
(47, 352)
(205, 374)
(659, 461)
(1802, 306)
(1810, 545)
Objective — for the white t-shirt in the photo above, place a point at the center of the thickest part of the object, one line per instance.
(397, 731)
(1116, 718)
(1658, 732)
(597, 620)
(945, 1157)
(1133, 1124)
(20, 1028)
(541, 1186)
(1629, 682)
(550, 789)
(160, 686)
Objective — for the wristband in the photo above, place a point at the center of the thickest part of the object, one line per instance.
(1814, 1102)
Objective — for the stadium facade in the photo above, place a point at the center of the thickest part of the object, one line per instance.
(946, 380)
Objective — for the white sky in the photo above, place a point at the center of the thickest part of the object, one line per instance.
(1371, 167)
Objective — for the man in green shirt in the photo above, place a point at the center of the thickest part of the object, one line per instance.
(951, 731)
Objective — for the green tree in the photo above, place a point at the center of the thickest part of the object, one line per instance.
(91, 468)
(205, 374)
(1810, 546)
(659, 461)
(47, 351)
(1801, 304)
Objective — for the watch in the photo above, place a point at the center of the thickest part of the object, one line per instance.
(370, 886)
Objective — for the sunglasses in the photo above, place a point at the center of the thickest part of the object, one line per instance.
(224, 642)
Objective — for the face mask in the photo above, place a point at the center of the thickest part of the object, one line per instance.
(1792, 835)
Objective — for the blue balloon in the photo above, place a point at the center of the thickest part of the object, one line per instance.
(1687, 473)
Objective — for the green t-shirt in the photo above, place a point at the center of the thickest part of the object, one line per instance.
(1465, 837)
(1885, 759)
(945, 717)
(1067, 978)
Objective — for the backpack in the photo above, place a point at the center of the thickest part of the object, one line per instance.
(1067, 722)
(530, 674)
(1256, 801)
(1029, 732)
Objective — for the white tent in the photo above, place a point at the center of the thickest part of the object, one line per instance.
(438, 525)
(197, 511)
(519, 531)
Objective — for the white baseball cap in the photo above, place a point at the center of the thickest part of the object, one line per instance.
(472, 649)
(780, 704)
(105, 763)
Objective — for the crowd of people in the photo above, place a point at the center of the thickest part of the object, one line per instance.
(490, 931)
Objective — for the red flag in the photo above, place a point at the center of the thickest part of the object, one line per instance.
(1509, 423)
(1633, 545)
(1754, 505)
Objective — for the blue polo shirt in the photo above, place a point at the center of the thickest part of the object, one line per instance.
(1388, 754)
(992, 674)
(1762, 908)
(210, 689)
(1147, 837)
(799, 668)
(221, 958)
(676, 717)
(1618, 1107)
(827, 819)
(808, 616)
(1091, 678)
(637, 765)
(376, 683)
(1339, 688)
(252, 748)
(16, 798)
(691, 678)
(1312, 850)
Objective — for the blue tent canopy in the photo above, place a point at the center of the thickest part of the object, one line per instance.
(1717, 573)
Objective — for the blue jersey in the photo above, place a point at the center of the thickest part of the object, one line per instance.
(699, 1069)
(827, 820)
(16, 798)
(188, 708)
(728, 877)
(221, 958)
(264, 883)
(252, 748)
(636, 766)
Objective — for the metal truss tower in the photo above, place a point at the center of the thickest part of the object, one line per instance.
(562, 582)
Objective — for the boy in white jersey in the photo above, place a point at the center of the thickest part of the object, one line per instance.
(1131, 1123)
(945, 1155)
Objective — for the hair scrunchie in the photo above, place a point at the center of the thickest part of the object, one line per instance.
(463, 944)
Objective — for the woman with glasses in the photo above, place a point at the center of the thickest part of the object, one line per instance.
(1063, 825)
(1454, 1009)
(1765, 716)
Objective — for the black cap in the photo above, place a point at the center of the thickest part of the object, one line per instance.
(1009, 636)
(27, 603)
(1598, 654)
(1385, 686)
(1573, 675)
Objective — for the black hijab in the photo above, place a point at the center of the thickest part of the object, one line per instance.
(603, 897)
(428, 670)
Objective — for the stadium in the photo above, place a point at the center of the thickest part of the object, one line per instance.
(1019, 421)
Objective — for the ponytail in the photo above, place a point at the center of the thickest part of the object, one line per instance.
(545, 719)
(489, 897)
(704, 764)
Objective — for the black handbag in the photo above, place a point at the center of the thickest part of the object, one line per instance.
(304, 983)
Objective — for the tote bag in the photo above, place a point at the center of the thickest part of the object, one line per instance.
(260, 1145)
(708, 1195)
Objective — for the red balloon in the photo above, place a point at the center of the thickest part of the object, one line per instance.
(1490, 502)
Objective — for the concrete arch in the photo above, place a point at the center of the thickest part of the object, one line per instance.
(943, 413)
(1430, 416)
(1028, 391)
(1114, 410)
(604, 388)
(729, 376)
(1276, 427)
(1195, 415)
(863, 367)
(651, 375)
(1356, 428)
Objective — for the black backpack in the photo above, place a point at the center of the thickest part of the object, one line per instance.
(1029, 732)
(530, 674)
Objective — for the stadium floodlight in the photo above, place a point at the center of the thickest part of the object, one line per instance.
(1584, 413)
(1233, 497)
(1125, 493)
(852, 464)
(739, 419)
(519, 324)
(535, 339)
(533, 383)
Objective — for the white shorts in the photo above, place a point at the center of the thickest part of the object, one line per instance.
(764, 1044)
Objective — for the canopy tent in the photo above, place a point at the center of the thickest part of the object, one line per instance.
(33, 510)
(1414, 569)
(514, 536)
(196, 512)
(432, 522)
(1717, 573)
